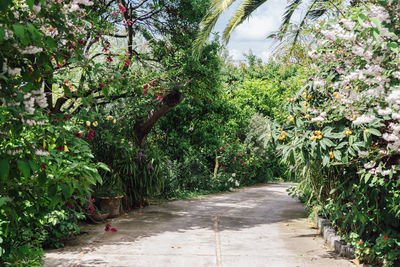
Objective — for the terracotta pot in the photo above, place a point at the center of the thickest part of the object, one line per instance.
(98, 218)
(111, 204)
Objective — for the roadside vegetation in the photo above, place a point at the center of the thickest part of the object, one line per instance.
(106, 105)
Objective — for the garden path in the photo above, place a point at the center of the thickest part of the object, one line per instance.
(254, 226)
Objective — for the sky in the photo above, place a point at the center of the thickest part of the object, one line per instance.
(252, 34)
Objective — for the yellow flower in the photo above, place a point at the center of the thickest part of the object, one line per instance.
(366, 131)
(44, 144)
(305, 94)
(348, 87)
(319, 137)
(88, 123)
(66, 148)
(305, 103)
(348, 132)
(307, 116)
(114, 121)
(336, 95)
(312, 138)
(309, 97)
(95, 124)
(281, 137)
(109, 118)
(291, 118)
(279, 129)
(354, 117)
(283, 133)
(122, 141)
(269, 135)
(331, 155)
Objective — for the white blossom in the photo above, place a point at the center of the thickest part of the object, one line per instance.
(364, 119)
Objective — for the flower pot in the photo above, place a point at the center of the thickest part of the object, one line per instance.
(98, 218)
(111, 204)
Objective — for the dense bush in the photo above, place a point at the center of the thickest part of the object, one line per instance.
(342, 132)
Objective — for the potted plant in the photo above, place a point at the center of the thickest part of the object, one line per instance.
(94, 213)
(109, 195)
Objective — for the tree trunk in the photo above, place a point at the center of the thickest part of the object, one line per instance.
(143, 128)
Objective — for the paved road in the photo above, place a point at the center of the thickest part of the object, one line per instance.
(254, 226)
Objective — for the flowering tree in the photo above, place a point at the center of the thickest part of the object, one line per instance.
(343, 134)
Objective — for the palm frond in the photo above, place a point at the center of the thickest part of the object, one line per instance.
(217, 7)
(242, 13)
(303, 21)
(288, 15)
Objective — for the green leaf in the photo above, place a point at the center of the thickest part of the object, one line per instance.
(377, 23)
(325, 160)
(30, 3)
(337, 155)
(2, 34)
(362, 16)
(4, 200)
(33, 166)
(366, 177)
(66, 190)
(375, 132)
(52, 191)
(4, 169)
(394, 47)
(4, 4)
(24, 168)
(19, 31)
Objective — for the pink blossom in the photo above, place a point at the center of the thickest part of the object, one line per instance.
(122, 9)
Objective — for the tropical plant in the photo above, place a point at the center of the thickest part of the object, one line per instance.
(342, 132)
(313, 10)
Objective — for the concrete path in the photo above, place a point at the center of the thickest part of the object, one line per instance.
(254, 226)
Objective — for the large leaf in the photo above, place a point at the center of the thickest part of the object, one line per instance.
(24, 168)
(4, 169)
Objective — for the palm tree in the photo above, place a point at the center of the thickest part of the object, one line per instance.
(316, 9)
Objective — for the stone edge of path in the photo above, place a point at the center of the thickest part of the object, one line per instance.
(333, 240)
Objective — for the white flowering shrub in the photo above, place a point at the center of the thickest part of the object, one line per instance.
(343, 134)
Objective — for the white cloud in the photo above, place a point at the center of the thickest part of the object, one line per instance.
(252, 34)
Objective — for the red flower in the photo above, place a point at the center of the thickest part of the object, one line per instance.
(114, 14)
(43, 166)
(107, 229)
(221, 148)
(60, 148)
(92, 200)
(145, 89)
(79, 135)
(69, 205)
(101, 85)
(154, 83)
(396, 248)
(159, 98)
(91, 134)
(360, 242)
(239, 156)
(127, 63)
(227, 144)
(385, 237)
(91, 209)
(114, 229)
(234, 158)
(109, 59)
(122, 9)
(221, 166)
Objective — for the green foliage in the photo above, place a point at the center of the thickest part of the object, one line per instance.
(341, 135)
